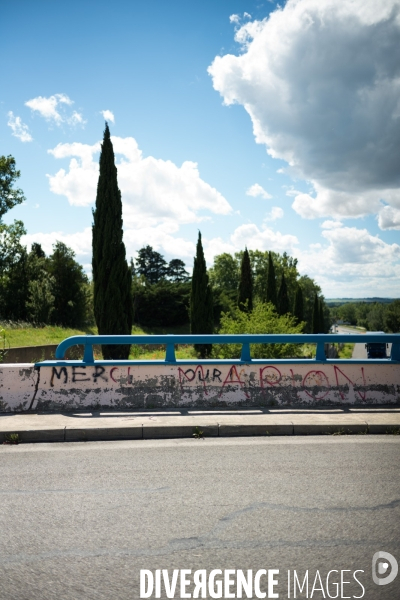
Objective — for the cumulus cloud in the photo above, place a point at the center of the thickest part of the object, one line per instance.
(275, 213)
(352, 256)
(321, 83)
(19, 129)
(53, 109)
(234, 19)
(331, 224)
(389, 218)
(108, 116)
(80, 242)
(153, 191)
(256, 190)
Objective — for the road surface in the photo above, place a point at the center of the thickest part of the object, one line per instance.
(79, 521)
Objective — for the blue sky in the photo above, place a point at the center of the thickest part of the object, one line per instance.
(275, 127)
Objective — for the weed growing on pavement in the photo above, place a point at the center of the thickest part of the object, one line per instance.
(11, 438)
(393, 431)
(198, 434)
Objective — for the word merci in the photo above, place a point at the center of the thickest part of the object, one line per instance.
(232, 583)
(142, 385)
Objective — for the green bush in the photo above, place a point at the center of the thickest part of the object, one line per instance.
(263, 319)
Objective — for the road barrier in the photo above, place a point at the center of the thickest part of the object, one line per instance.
(71, 385)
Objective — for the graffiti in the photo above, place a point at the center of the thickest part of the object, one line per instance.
(269, 380)
(77, 386)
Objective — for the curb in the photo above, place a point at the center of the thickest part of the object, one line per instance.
(151, 432)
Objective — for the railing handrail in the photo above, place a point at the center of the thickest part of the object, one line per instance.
(320, 339)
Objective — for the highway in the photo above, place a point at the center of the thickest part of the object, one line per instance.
(79, 521)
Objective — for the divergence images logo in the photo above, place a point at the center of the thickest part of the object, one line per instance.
(380, 565)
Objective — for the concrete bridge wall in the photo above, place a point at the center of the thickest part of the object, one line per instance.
(77, 386)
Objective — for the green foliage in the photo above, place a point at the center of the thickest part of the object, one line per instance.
(225, 274)
(176, 271)
(13, 272)
(245, 293)
(321, 316)
(271, 295)
(315, 316)
(298, 308)
(66, 284)
(151, 265)
(164, 304)
(263, 319)
(9, 197)
(113, 307)
(392, 317)
(283, 298)
(373, 316)
(4, 344)
(40, 303)
(201, 301)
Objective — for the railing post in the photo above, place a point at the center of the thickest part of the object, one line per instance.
(170, 353)
(245, 356)
(320, 354)
(88, 353)
(395, 352)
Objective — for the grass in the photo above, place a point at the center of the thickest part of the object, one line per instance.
(346, 351)
(25, 334)
(41, 336)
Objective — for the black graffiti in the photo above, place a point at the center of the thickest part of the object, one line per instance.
(76, 374)
(63, 371)
(98, 372)
(217, 375)
(206, 377)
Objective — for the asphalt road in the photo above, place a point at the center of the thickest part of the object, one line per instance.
(78, 521)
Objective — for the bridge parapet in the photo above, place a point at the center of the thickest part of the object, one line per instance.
(86, 384)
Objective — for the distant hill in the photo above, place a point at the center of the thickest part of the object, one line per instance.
(338, 301)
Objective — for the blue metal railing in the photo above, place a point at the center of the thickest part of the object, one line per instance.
(170, 341)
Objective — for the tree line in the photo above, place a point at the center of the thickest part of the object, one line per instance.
(373, 316)
(251, 291)
(152, 292)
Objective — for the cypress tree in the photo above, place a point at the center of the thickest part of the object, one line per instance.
(315, 316)
(298, 308)
(283, 299)
(245, 293)
(111, 274)
(271, 282)
(201, 303)
(321, 316)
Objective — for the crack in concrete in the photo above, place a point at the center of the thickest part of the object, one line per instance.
(35, 391)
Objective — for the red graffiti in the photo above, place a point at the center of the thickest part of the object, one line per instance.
(229, 379)
(111, 373)
(273, 379)
(360, 393)
(316, 378)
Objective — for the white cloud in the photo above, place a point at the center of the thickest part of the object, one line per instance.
(53, 109)
(275, 213)
(353, 259)
(331, 224)
(254, 238)
(19, 129)
(321, 83)
(389, 218)
(153, 191)
(108, 115)
(234, 19)
(257, 190)
(80, 242)
(246, 15)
